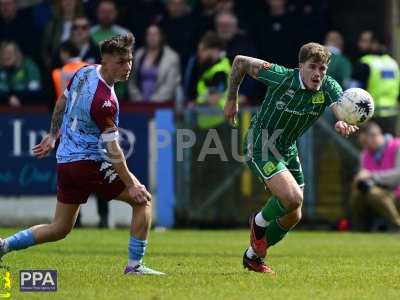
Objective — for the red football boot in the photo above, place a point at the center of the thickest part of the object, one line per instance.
(256, 264)
(259, 245)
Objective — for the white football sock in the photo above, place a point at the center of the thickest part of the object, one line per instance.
(260, 220)
(250, 252)
(133, 263)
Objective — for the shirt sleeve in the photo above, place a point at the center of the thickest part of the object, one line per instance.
(272, 74)
(66, 92)
(103, 113)
(333, 91)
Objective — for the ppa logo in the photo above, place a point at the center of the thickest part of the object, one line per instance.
(38, 280)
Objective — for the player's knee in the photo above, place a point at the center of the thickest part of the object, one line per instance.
(294, 200)
(297, 215)
(146, 210)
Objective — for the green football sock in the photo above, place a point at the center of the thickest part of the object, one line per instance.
(273, 209)
(275, 232)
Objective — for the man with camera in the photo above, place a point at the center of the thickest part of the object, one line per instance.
(376, 188)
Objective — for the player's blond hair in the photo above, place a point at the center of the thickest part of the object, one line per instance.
(314, 51)
(119, 44)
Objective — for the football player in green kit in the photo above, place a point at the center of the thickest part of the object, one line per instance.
(294, 100)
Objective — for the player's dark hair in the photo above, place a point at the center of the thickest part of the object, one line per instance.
(70, 48)
(212, 41)
(366, 128)
(314, 51)
(119, 44)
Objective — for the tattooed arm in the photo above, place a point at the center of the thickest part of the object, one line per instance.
(241, 66)
(48, 142)
(57, 117)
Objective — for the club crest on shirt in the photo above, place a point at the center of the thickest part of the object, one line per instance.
(318, 98)
(280, 105)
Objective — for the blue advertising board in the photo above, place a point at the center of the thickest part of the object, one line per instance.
(22, 174)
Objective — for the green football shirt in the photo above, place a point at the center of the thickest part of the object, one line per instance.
(289, 109)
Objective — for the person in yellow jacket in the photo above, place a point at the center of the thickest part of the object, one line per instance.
(69, 55)
(379, 74)
(212, 83)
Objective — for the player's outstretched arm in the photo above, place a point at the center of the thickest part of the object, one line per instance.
(135, 189)
(48, 142)
(241, 66)
(341, 126)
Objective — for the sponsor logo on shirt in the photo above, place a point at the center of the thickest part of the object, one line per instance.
(269, 167)
(301, 113)
(107, 103)
(290, 93)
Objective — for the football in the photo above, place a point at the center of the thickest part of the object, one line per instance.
(355, 106)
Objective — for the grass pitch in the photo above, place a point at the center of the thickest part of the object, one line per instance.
(207, 265)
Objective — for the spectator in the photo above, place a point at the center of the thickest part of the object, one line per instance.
(71, 62)
(157, 74)
(140, 14)
(312, 19)
(42, 13)
(376, 189)
(378, 73)
(59, 28)
(20, 81)
(226, 5)
(176, 18)
(88, 50)
(107, 28)
(364, 44)
(339, 66)
(236, 42)
(243, 12)
(13, 26)
(278, 41)
(106, 17)
(211, 79)
(203, 16)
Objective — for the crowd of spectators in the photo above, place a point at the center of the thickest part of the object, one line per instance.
(183, 51)
(167, 35)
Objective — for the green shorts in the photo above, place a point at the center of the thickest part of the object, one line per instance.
(266, 164)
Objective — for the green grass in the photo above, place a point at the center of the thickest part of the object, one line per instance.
(207, 265)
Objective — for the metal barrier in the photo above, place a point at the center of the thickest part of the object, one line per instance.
(224, 193)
